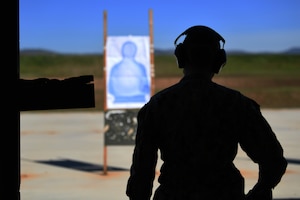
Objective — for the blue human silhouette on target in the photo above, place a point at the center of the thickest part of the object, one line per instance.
(128, 80)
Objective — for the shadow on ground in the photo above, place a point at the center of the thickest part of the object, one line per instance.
(76, 165)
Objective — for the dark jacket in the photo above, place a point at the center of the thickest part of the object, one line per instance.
(197, 125)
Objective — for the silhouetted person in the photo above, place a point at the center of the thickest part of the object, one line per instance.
(197, 126)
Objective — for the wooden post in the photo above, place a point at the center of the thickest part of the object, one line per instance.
(105, 71)
(104, 79)
(151, 52)
(104, 56)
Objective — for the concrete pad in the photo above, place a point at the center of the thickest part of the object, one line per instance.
(62, 157)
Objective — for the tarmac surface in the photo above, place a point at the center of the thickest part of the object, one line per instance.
(62, 157)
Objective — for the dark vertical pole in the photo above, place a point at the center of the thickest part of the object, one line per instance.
(104, 78)
(17, 194)
(10, 122)
(151, 51)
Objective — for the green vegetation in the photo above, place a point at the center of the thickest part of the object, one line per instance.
(271, 79)
(57, 65)
(165, 65)
(240, 65)
(263, 65)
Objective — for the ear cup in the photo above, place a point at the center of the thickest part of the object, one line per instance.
(220, 61)
(180, 54)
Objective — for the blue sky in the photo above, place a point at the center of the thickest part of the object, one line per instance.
(76, 26)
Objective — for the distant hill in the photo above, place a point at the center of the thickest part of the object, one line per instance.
(294, 50)
(290, 51)
(36, 52)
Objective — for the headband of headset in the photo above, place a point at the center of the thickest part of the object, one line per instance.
(199, 28)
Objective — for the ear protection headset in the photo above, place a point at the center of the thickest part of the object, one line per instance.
(181, 53)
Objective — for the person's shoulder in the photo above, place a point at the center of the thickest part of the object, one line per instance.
(157, 98)
(226, 90)
(165, 92)
(161, 97)
(238, 95)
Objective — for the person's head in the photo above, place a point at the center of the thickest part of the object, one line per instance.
(201, 50)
